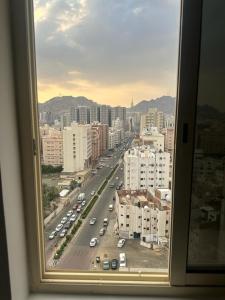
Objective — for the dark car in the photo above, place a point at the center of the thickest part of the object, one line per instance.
(68, 225)
(98, 259)
(114, 264)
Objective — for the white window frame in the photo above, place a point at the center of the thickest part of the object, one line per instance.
(26, 96)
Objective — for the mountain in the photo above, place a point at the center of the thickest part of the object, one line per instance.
(59, 105)
(167, 104)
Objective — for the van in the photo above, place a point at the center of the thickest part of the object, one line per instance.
(122, 258)
(105, 222)
(110, 207)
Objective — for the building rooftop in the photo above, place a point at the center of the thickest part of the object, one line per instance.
(141, 198)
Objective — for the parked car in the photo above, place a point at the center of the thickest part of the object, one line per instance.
(69, 213)
(83, 203)
(102, 231)
(121, 243)
(105, 222)
(106, 264)
(98, 259)
(92, 221)
(75, 206)
(73, 218)
(79, 209)
(59, 227)
(114, 264)
(63, 233)
(52, 235)
(68, 225)
(63, 221)
(92, 193)
(123, 262)
(110, 207)
(93, 242)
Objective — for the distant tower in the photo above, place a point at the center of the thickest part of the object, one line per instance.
(132, 103)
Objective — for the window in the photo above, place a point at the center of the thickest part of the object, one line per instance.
(79, 176)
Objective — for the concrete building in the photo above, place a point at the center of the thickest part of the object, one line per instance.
(169, 139)
(74, 115)
(118, 112)
(52, 147)
(153, 118)
(103, 135)
(169, 121)
(65, 120)
(95, 138)
(77, 147)
(94, 113)
(146, 168)
(84, 115)
(104, 114)
(151, 136)
(144, 215)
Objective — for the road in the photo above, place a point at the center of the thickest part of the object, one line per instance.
(93, 183)
(79, 255)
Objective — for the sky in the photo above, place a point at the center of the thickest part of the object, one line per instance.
(110, 51)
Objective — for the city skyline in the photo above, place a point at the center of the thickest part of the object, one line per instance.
(107, 51)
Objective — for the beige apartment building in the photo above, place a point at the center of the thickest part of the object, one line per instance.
(153, 118)
(77, 147)
(95, 140)
(103, 135)
(144, 215)
(52, 146)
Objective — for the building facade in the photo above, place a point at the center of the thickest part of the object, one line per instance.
(77, 147)
(143, 215)
(146, 168)
(153, 118)
(52, 147)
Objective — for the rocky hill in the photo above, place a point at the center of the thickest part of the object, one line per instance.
(167, 104)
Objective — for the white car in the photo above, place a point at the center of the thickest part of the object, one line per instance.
(121, 243)
(63, 233)
(63, 221)
(92, 193)
(59, 227)
(52, 235)
(83, 203)
(69, 213)
(72, 219)
(92, 221)
(93, 242)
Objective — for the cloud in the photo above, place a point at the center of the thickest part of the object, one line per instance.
(109, 43)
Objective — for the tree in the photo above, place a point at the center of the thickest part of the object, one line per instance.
(50, 193)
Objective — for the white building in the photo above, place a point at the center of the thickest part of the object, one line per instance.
(116, 133)
(151, 136)
(77, 147)
(146, 168)
(145, 215)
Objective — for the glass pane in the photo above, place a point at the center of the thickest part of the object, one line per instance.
(107, 162)
(207, 227)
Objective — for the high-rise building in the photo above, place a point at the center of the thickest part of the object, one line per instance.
(52, 147)
(146, 168)
(74, 115)
(84, 114)
(118, 112)
(153, 118)
(169, 139)
(144, 215)
(104, 114)
(77, 147)
(95, 138)
(65, 120)
(94, 113)
(103, 136)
